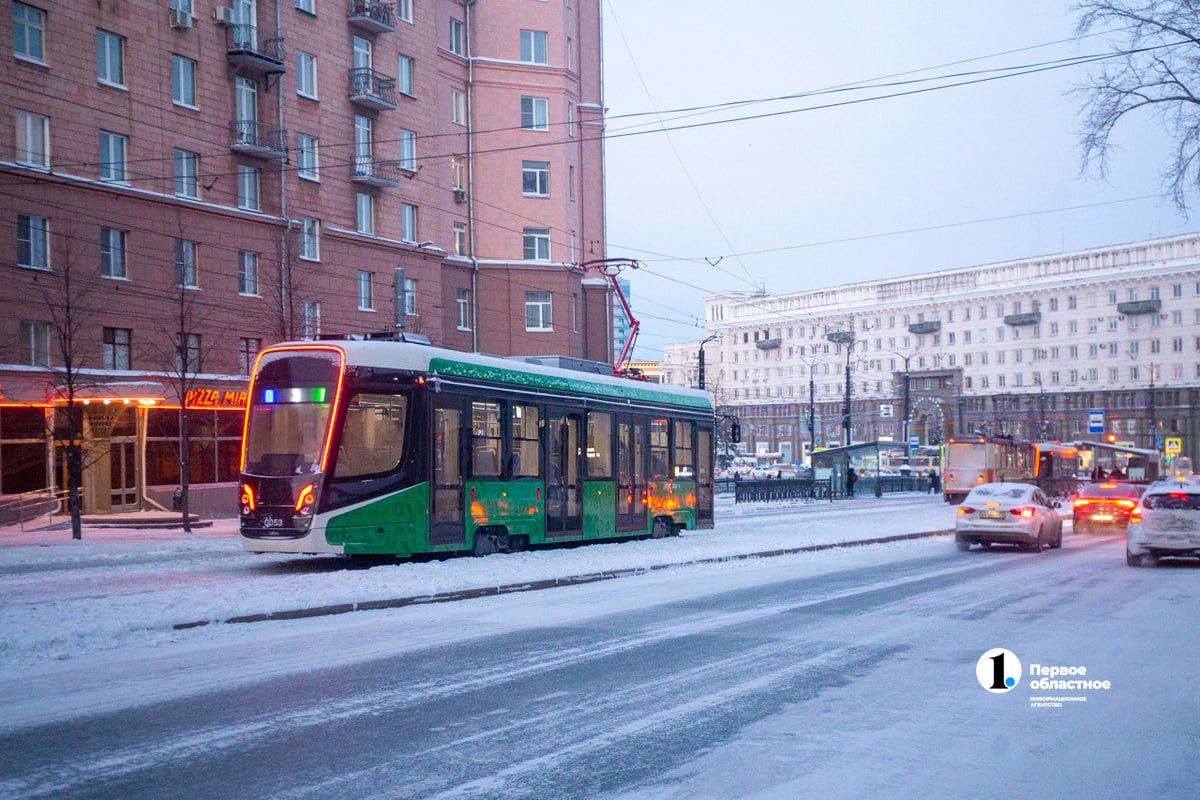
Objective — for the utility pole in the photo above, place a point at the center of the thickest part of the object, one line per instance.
(1153, 421)
(847, 339)
(700, 357)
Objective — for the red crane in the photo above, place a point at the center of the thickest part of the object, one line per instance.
(610, 268)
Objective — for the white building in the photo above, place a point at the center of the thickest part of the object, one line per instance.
(1024, 347)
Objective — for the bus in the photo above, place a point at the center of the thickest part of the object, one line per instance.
(970, 462)
(376, 447)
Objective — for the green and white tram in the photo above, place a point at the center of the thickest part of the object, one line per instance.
(383, 447)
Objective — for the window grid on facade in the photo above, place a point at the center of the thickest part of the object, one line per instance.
(306, 75)
(187, 353)
(247, 273)
(366, 291)
(538, 311)
(310, 319)
(536, 244)
(535, 113)
(187, 173)
(533, 47)
(463, 302)
(408, 222)
(110, 58)
(306, 157)
(35, 343)
(29, 32)
(410, 297)
(310, 239)
(248, 188)
(118, 348)
(364, 205)
(458, 106)
(183, 81)
(460, 238)
(456, 37)
(404, 76)
(408, 150)
(186, 272)
(247, 353)
(535, 178)
(33, 139)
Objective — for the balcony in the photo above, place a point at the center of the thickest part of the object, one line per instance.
(1140, 307)
(923, 328)
(372, 172)
(371, 17)
(370, 89)
(768, 344)
(1017, 320)
(250, 53)
(251, 137)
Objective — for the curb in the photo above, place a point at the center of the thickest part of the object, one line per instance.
(549, 583)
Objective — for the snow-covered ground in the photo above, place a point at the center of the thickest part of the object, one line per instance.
(63, 598)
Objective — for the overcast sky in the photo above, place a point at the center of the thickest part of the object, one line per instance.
(800, 184)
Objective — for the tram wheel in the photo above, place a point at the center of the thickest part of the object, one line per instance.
(662, 529)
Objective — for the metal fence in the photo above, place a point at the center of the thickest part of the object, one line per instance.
(765, 491)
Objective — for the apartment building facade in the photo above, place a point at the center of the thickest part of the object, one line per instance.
(1028, 348)
(188, 181)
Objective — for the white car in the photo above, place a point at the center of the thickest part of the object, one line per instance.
(1166, 522)
(1007, 513)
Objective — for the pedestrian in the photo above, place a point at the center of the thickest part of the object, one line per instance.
(935, 482)
(851, 479)
(929, 488)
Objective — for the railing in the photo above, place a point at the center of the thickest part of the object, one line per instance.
(769, 491)
(22, 508)
(366, 83)
(377, 172)
(252, 134)
(244, 40)
(380, 13)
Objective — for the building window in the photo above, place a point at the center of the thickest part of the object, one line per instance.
(404, 10)
(404, 76)
(112, 253)
(365, 214)
(307, 6)
(248, 179)
(366, 291)
(535, 178)
(537, 244)
(310, 239)
(408, 151)
(310, 319)
(247, 353)
(33, 242)
(460, 238)
(538, 311)
(247, 273)
(35, 344)
(458, 172)
(533, 47)
(306, 75)
(187, 353)
(187, 174)
(408, 222)
(117, 349)
(456, 36)
(183, 81)
(535, 114)
(113, 157)
(110, 58)
(410, 297)
(29, 32)
(458, 106)
(463, 300)
(186, 271)
(363, 144)
(306, 157)
(33, 139)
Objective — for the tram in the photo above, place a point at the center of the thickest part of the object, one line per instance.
(375, 447)
(970, 462)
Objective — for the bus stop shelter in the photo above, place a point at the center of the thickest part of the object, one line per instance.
(871, 461)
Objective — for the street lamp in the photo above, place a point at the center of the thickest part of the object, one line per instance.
(811, 363)
(712, 338)
(907, 359)
(848, 339)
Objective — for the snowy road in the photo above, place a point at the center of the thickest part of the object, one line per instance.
(838, 674)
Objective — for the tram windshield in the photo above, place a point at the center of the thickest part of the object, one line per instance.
(290, 410)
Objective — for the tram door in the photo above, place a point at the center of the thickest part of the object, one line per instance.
(631, 473)
(447, 525)
(564, 474)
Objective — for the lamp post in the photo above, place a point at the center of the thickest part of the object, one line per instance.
(700, 357)
(847, 339)
(907, 410)
(1153, 421)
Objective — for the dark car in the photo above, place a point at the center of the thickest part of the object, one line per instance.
(1105, 506)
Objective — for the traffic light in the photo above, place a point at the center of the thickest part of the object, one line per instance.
(1112, 437)
(735, 431)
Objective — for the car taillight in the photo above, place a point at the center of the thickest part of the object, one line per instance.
(1136, 514)
(962, 510)
(247, 499)
(1025, 512)
(1081, 501)
(1126, 503)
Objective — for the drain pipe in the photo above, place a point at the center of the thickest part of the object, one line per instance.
(285, 272)
(471, 178)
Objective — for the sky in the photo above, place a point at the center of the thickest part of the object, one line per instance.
(900, 186)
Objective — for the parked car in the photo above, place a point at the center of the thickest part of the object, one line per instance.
(1007, 513)
(1166, 522)
(1104, 505)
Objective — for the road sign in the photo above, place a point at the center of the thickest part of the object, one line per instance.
(887, 410)
(1174, 444)
(1096, 420)
(914, 440)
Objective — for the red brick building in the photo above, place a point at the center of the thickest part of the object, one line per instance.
(195, 179)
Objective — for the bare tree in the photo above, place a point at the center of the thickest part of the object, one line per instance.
(1159, 73)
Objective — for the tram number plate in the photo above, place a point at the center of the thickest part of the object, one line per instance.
(269, 521)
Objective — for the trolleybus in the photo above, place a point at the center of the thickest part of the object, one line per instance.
(386, 447)
(970, 462)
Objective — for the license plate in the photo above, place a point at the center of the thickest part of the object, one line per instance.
(1102, 517)
(992, 514)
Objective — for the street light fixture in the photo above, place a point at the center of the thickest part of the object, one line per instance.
(907, 410)
(399, 293)
(712, 338)
(848, 339)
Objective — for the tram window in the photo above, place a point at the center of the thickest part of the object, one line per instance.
(685, 465)
(485, 440)
(372, 439)
(447, 461)
(599, 445)
(660, 449)
(526, 442)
